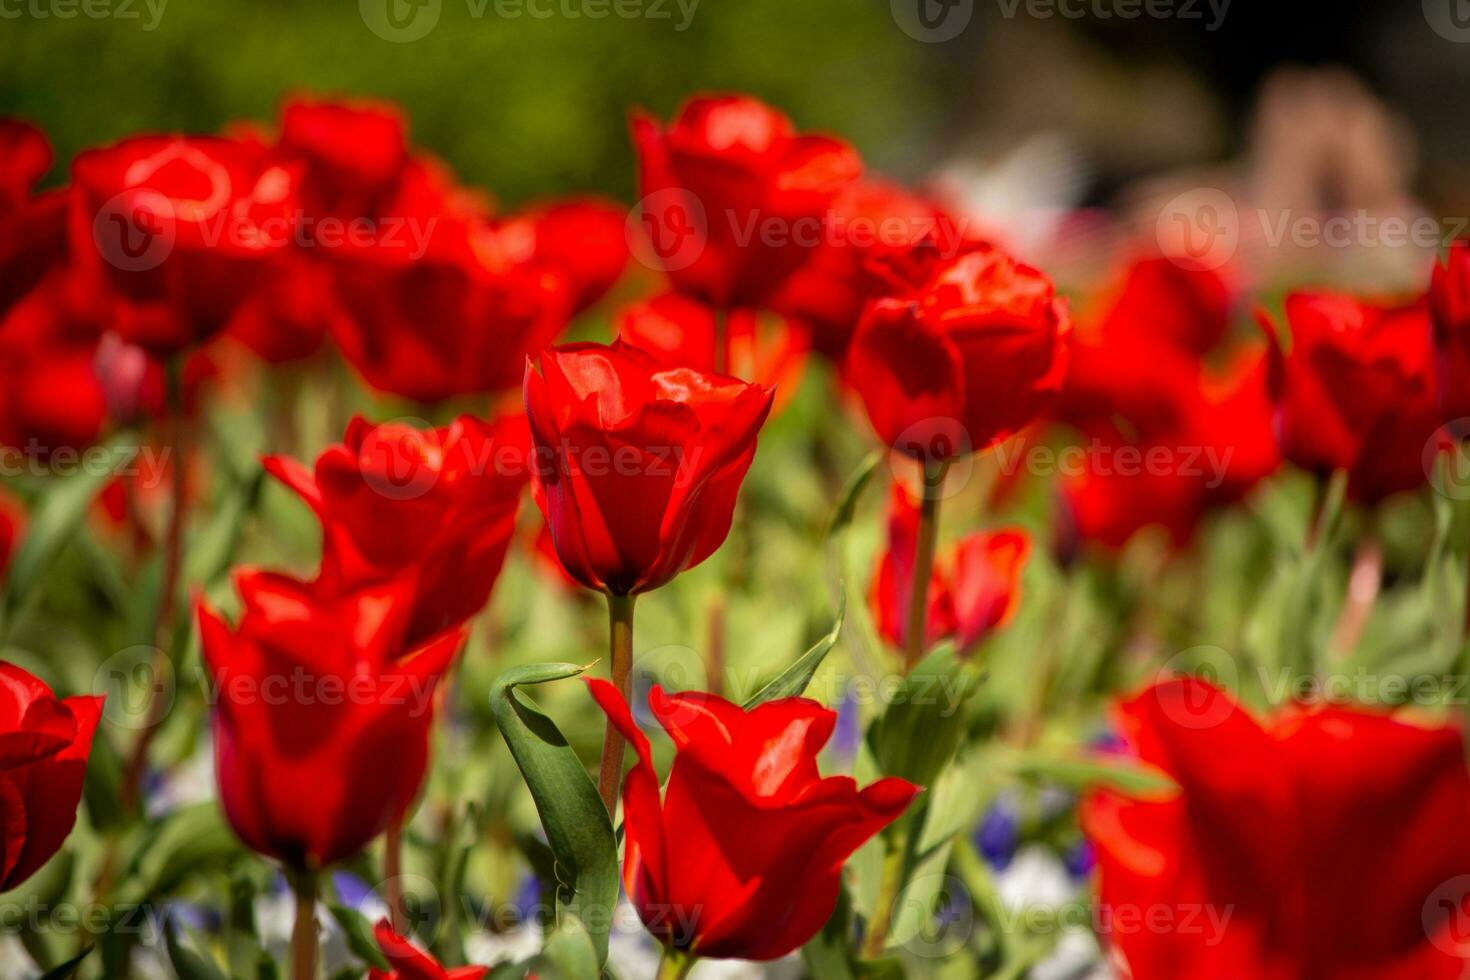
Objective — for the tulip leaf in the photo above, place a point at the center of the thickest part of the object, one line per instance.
(190, 963)
(925, 721)
(68, 969)
(54, 521)
(359, 935)
(569, 953)
(852, 491)
(186, 841)
(792, 681)
(576, 823)
(1079, 773)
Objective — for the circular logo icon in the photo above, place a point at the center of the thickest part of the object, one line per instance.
(402, 459)
(1450, 19)
(673, 667)
(135, 230)
(946, 915)
(139, 685)
(1447, 460)
(935, 438)
(416, 895)
(1198, 707)
(1446, 916)
(400, 21)
(1199, 229)
(668, 230)
(932, 21)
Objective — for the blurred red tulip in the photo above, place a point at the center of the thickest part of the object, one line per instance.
(1165, 301)
(292, 312)
(447, 305)
(351, 153)
(1357, 391)
(32, 226)
(742, 857)
(322, 714)
(637, 466)
(12, 530)
(681, 332)
(974, 590)
(408, 962)
(182, 227)
(734, 201)
(583, 238)
(436, 507)
(1317, 843)
(870, 218)
(1449, 304)
(960, 353)
(46, 742)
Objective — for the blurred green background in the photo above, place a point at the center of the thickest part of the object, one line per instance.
(524, 106)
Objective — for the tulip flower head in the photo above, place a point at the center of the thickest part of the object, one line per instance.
(1315, 843)
(46, 744)
(321, 724)
(1449, 304)
(637, 466)
(408, 962)
(959, 353)
(742, 856)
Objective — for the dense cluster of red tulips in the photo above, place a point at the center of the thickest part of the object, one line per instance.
(127, 294)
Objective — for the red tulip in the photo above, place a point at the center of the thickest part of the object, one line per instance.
(1356, 393)
(32, 226)
(972, 592)
(870, 219)
(437, 507)
(322, 714)
(1449, 303)
(351, 153)
(183, 227)
(960, 353)
(734, 200)
(637, 466)
(742, 857)
(291, 313)
(585, 239)
(448, 305)
(44, 745)
(1312, 844)
(681, 332)
(411, 963)
(1162, 300)
(12, 529)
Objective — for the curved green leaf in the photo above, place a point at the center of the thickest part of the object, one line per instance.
(359, 935)
(792, 681)
(576, 823)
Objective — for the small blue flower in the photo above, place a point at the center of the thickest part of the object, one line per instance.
(998, 833)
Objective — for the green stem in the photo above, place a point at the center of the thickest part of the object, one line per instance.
(620, 642)
(890, 885)
(918, 622)
(166, 611)
(675, 965)
(393, 875)
(303, 933)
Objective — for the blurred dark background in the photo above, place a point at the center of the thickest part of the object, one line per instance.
(530, 106)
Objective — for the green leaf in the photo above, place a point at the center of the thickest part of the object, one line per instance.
(359, 934)
(55, 520)
(188, 840)
(569, 952)
(792, 681)
(576, 823)
(852, 491)
(212, 548)
(190, 964)
(924, 723)
(1079, 773)
(68, 969)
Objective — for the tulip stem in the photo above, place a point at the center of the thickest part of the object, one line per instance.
(675, 965)
(917, 632)
(303, 933)
(167, 608)
(889, 885)
(393, 875)
(620, 642)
